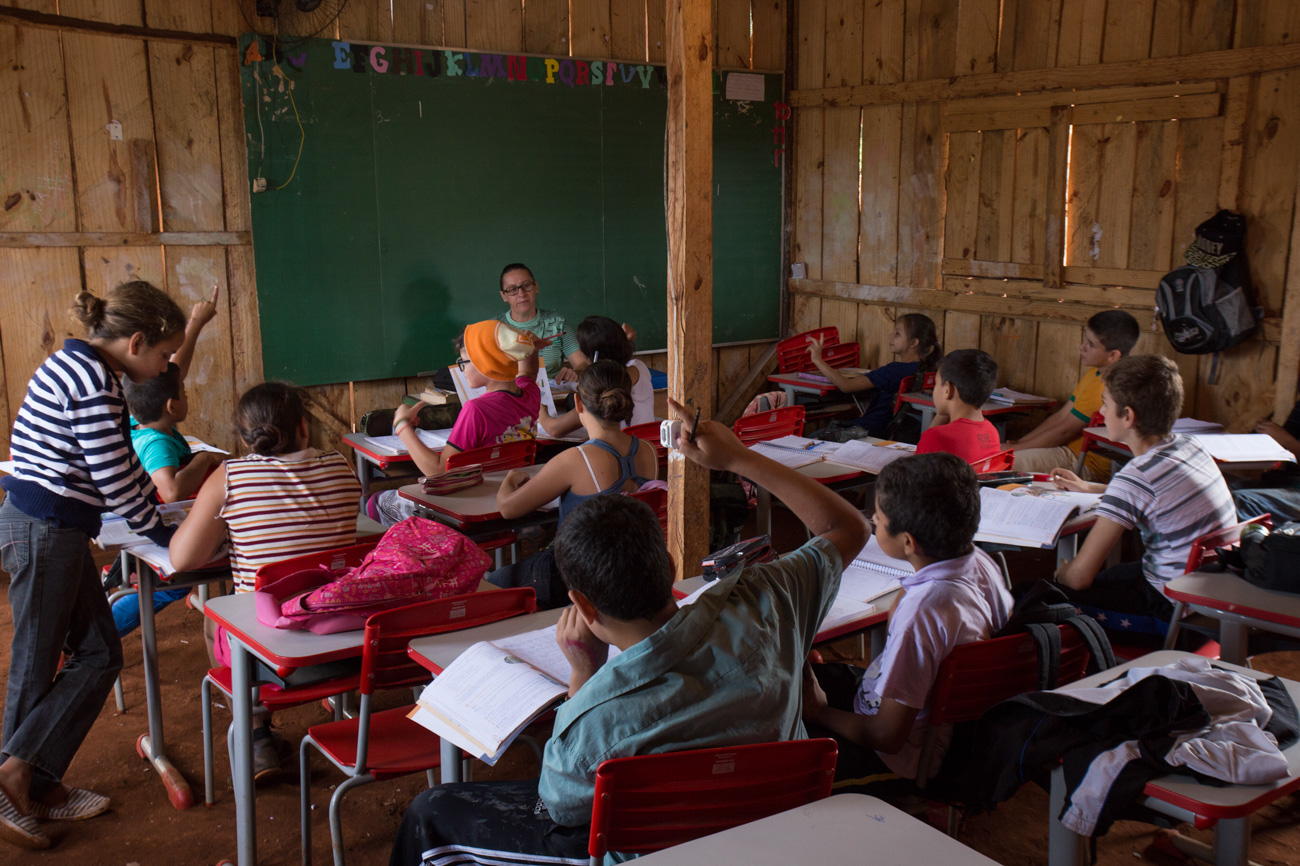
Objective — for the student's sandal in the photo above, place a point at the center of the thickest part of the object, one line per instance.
(80, 805)
(18, 829)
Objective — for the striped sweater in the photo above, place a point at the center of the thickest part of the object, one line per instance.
(72, 448)
(285, 506)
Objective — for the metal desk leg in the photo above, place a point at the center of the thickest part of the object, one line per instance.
(241, 758)
(1067, 547)
(790, 394)
(1064, 847)
(151, 745)
(927, 416)
(363, 476)
(764, 515)
(1233, 637)
(450, 753)
(1232, 842)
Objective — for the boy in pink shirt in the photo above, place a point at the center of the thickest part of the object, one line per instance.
(492, 355)
(927, 511)
(963, 383)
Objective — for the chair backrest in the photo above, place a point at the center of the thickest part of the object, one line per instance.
(384, 660)
(657, 499)
(792, 352)
(996, 463)
(786, 421)
(649, 432)
(505, 455)
(649, 802)
(1205, 549)
(336, 559)
(908, 385)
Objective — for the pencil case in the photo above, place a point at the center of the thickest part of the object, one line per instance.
(452, 481)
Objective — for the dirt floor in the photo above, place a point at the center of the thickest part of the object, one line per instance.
(144, 829)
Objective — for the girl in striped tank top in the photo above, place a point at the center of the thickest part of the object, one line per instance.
(282, 500)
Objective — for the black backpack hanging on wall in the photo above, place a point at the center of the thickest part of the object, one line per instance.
(1206, 307)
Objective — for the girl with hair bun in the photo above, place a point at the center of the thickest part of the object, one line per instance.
(610, 462)
(285, 499)
(73, 461)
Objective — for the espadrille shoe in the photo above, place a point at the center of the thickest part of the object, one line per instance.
(18, 829)
(80, 805)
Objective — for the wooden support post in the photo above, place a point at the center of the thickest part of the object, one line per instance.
(1058, 166)
(690, 264)
(1288, 355)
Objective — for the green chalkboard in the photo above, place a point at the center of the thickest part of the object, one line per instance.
(422, 173)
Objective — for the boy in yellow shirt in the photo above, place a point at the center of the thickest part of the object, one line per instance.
(1107, 337)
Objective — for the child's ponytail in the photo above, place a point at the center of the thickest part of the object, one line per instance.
(136, 307)
(606, 391)
(920, 327)
(268, 416)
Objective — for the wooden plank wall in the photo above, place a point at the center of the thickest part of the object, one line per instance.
(169, 202)
(1009, 219)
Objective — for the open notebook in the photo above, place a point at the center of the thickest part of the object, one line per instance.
(435, 439)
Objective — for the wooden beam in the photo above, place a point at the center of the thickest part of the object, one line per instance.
(690, 263)
(1206, 66)
(46, 21)
(1124, 110)
(1034, 101)
(730, 408)
(1058, 169)
(124, 239)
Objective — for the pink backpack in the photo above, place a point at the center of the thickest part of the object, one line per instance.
(416, 560)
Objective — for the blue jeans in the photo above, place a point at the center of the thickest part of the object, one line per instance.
(58, 606)
(1281, 502)
(126, 610)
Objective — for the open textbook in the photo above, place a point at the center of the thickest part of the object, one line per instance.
(872, 458)
(435, 439)
(1244, 448)
(1028, 516)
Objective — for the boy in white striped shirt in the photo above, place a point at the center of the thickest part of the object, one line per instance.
(1171, 492)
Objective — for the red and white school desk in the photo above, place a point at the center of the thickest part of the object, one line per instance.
(994, 411)
(1179, 796)
(372, 463)
(839, 829)
(1239, 606)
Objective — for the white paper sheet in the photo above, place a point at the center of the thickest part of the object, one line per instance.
(1244, 448)
(435, 439)
(871, 458)
(785, 456)
(1025, 521)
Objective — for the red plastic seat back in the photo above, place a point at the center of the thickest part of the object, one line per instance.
(649, 432)
(975, 676)
(649, 802)
(792, 352)
(997, 463)
(1204, 549)
(335, 560)
(762, 426)
(908, 385)
(384, 660)
(658, 501)
(493, 458)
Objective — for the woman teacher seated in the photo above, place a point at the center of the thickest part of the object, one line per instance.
(519, 290)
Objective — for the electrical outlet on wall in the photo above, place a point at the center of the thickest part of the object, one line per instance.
(259, 184)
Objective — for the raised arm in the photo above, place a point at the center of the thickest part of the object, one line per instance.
(1061, 428)
(197, 539)
(824, 512)
(200, 314)
(838, 379)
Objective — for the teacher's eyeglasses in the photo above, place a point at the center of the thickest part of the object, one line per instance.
(522, 287)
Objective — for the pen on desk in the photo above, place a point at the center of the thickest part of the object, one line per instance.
(811, 445)
(694, 424)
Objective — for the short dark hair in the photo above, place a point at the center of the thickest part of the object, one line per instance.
(611, 549)
(1151, 386)
(602, 336)
(1116, 329)
(972, 372)
(148, 400)
(515, 266)
(936, 498)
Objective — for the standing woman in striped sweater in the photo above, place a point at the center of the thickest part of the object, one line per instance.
(283, 500)
(74, 461)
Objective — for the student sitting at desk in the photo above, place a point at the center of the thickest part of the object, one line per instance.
(1171, 492)
(156, 407)
(609, 462)
(492, 356)
(722, 671)
(927, 511)
(284, 499)
(964, 381)
(601, 338)
(1107, 337)
(916, 343)
(520, 290)
(1277, 491)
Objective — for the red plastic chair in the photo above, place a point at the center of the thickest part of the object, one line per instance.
(384, 745)
(272, 698)
(1205, 550)
(658, 501)
(976, 676)
(908, 385)
(792, 352)
(1095, 421)
(493, 458)
(996, 463)
(760, 427)
(649, 433)
(650, 802)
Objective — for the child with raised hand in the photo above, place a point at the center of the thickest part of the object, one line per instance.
(601, 338)
(73, 462)
(916, 343)
(610, 462)
(965, 380)
(494, 356)
(284, 499)
(156, 407)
